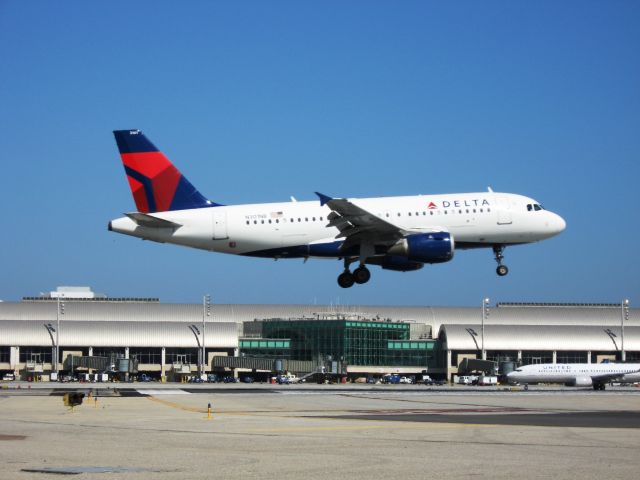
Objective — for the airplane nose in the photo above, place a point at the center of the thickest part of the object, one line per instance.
(556, 223)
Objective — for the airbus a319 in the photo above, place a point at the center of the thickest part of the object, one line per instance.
(394, 233)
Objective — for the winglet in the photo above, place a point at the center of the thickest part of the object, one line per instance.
(324, 199)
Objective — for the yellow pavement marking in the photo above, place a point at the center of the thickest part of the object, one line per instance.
(362, 425)
(177, 405)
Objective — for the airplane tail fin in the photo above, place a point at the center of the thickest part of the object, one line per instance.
(156, 184)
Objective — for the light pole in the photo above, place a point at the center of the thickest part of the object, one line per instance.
(50, 329)
(196, 333)
(206, 312)
(624, 315)
(59, 311)
(485, 314)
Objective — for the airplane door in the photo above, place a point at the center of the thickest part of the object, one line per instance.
(504, 211)
(219, 223)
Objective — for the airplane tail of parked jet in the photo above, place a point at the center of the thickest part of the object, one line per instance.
(156, 184)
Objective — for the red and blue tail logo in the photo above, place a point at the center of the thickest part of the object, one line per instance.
(156, 185)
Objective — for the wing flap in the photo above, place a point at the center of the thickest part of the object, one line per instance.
(356, 222)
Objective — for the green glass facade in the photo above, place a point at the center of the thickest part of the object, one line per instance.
(352, 342)
(412, 353)
(266, 347)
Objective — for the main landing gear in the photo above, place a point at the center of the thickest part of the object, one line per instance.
(502, 270)
(360, 275)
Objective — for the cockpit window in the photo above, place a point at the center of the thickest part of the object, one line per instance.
(534, 207)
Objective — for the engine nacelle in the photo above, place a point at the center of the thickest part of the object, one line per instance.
(581, 381)
(435, 247)
(398, 264)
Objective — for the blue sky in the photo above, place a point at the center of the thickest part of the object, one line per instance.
(258, 101)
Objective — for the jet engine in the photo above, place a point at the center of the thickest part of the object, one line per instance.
(581, 381)
(395, 263)
(433, 247)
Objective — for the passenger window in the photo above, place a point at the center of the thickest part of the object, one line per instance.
(255, 222)
(269, 220)
(409, 213)
(247, 222)
(262, 221)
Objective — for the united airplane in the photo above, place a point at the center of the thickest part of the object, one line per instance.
(394, 233)
(594, 375)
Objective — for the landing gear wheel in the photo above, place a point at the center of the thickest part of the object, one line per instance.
(502, 270)
(361, 275)
(346, 280)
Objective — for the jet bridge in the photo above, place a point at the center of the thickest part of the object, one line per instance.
(469, 365)
(101, 364)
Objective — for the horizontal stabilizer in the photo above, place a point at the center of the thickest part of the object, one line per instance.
(149, 221)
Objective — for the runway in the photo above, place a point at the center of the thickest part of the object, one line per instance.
(315, 432)
(621, 419)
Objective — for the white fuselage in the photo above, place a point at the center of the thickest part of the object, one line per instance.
(276, 229)
(573, 373)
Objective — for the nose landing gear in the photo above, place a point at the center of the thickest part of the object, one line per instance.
(502, 270)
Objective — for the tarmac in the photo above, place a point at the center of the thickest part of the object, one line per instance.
(164, 431)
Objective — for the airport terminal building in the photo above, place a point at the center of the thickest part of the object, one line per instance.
(97, 334)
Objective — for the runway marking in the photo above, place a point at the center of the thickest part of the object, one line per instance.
(162, 392)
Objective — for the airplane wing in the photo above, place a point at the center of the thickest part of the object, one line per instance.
(149, 221)
(357, 225)
(609, 377)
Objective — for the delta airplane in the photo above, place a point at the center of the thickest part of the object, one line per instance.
(395, 233)
(577, 374)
